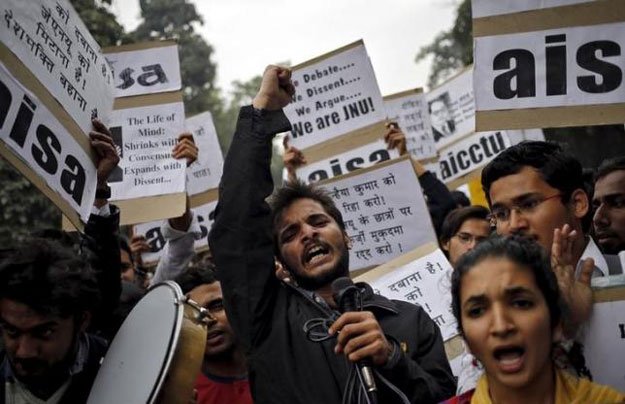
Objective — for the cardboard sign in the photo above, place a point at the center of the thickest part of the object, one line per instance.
(335, 94)
(469, 155)
(145, 130)
(558, 66)
(604, 338)
(420, 278)
(384, 212)
(452, 109)
(487, 8)
(410, 110)
(35, 142)
(153, 235)
(145, 68)
(51, 44)
(205, 172)
(352, 160)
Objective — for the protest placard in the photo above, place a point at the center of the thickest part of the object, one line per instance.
(410, 110)
(465, 158)
(604, 337)
(35, 142)
(384, 211)
(549, 67)
(148, 184)
(422, 277)
(205, 172)
(145, 68)
(352, 160)
(335, 94)
(452, 109)
(58, 56)
(155, 239)
(488, 8)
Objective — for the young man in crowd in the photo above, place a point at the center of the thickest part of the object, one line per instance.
(462, 230)
(47, 297)
(536, 190)
(223, 378)
(288, 361)
(609, 205)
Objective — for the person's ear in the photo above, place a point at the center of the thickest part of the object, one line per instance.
(347, 240)
(84, 320)
(445, 245)
(558, 333)
(580, 203)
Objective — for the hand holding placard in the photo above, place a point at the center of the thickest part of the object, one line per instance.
(276, 90)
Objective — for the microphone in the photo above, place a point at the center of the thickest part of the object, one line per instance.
(347, 297)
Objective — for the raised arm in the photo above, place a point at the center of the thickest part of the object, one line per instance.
(240, 239)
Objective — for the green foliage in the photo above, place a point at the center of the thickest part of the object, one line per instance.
(100, 21)
(177, 19)
(452, 49)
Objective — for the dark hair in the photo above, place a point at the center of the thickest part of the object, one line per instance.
(609, 166)
(557, 168)
(295, 190)
(460, 198)
(125, 246)
(196, 276)
(454, 220)
(49, 278)
(519, 250)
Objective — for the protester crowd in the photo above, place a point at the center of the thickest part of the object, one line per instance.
(280, 330)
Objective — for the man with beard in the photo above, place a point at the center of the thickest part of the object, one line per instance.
(299, 349)
(609, 204)
(223, 378)
(47, 297)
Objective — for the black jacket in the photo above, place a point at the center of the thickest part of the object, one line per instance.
(268, 317)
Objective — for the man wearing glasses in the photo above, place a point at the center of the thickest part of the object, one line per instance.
(536, 190)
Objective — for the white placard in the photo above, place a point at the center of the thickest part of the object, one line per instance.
(452, 109)
(585, 68)
(486, 8)
(155, 239)
(604, 344)
(145, 137)
(427, 283)
(360, 157)
(205, 172)
(36, 137)
(334, 96)
(411, 114)
(470, 154)
(53, 43)
(522, 135)
(384, 212)
(146, 71)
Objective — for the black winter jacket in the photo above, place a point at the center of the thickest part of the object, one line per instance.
(268, 316)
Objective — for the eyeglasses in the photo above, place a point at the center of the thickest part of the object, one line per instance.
(467, 238)
(501, 214)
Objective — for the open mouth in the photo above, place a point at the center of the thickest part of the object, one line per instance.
(214, 336)
(510, 358)
(315, 254)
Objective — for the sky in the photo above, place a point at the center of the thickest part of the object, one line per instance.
(247, 35)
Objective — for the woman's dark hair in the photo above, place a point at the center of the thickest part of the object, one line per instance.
(519, 250)
(454, 220)
(49, 277)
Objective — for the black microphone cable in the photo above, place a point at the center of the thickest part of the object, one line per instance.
(355, 390)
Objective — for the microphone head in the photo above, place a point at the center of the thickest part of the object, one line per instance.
(345, 294)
